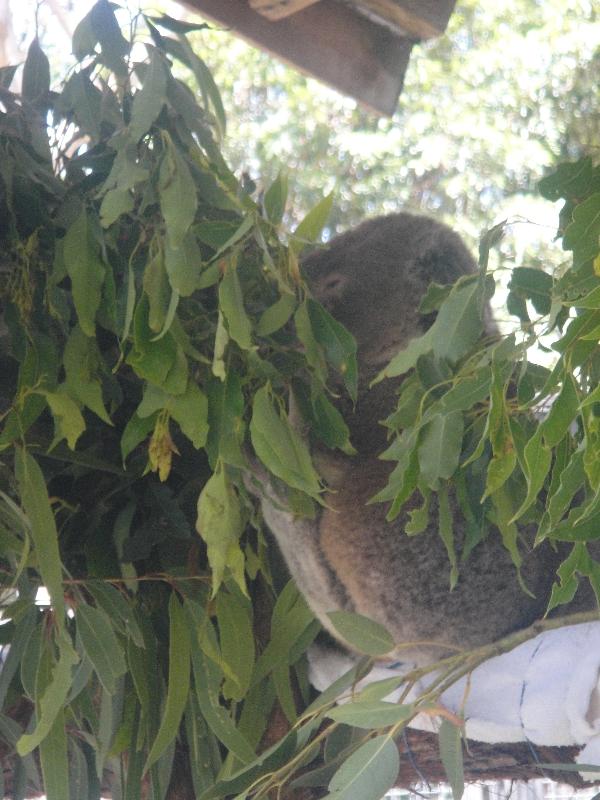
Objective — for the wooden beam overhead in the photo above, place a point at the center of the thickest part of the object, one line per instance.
(278, 9)
(328, 40)
(422, 19)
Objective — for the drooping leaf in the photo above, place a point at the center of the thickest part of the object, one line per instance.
(149, 100)
(34, 497)
(220, 523)
(177, 192)
(231, 301)
(451, 754)
(280, 448)
(178, 681)
(338, 345)
(86, 270)
(582, 236)
(54, 760)
(440, 447)
(51, 703)
(275, 198)
(101, 645)
(82, 362)
(36, 74)
(237, 642)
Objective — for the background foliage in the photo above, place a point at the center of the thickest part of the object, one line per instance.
(151, 322)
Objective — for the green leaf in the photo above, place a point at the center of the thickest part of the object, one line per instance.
(280, 448)
(86, 270)
(276, 315)
(177, 193)
(446, 531)
(313, 223)
(458, 325)
(362, 633)
(156, 286)
(160, 361)
(112, 43)
(231, 301)
(338, 345)
(226, 426)
(208, 87)
(534, 285)
(368, 773)
(36, 505)
(86, 100)
(24, 632)
(275, 198)
(563, 411)
(36, 74)
(84, 38)
(82, 362)
(190, 411)
(68, 421)
(290, 620)
(183, 265)
(452, 758)
(101, 645)
(119, 609)
(440, 447)
(54, 760)
(569, 180)
(538, 458)
(328, 424)
(207, 680)
(312, 351)
(221, 523)
(500, 468)
(582, 236)
(406, 359)
(149, 100)
(572, 479)
(178, 682)
(371, 714)
(52, 702)
(134, 433)
(468, 391)
(234, 616)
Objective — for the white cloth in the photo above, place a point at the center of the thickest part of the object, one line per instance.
(545, 691)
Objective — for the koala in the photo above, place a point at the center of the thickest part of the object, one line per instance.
(349, 557)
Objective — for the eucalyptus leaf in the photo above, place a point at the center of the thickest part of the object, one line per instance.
(368, 773)
(178, 681)
(362, 633)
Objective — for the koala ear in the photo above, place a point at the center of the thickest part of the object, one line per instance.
(446, 259)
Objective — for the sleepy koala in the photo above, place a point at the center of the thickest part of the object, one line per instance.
(349, 557)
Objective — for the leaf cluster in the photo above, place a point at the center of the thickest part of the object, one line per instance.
(514, 443)
(150, 322)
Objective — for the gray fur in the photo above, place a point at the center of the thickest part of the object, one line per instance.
(372, 279)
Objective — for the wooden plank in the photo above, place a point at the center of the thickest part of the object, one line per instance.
(423, 19)
(329, 41)
(278, 9)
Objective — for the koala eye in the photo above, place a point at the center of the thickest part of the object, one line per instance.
(333, 285)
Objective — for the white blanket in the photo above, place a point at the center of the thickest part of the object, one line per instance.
(545, 691)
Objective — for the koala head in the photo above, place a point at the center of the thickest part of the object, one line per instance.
(373, 277)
